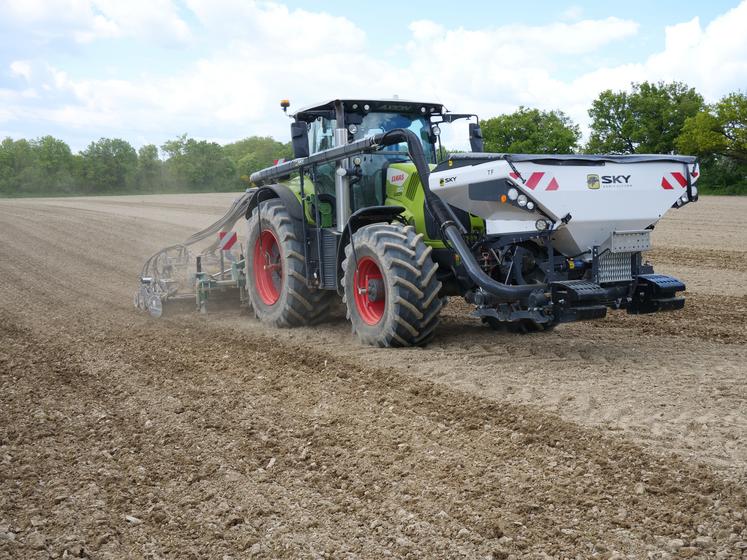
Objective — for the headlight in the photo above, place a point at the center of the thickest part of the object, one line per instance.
(522, 200)
(513, 194)
(530, 205)
(352, 128)
(694, 190)
(683, 198)
(541, 225)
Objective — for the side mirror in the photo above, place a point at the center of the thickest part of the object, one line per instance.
(475, 138)
(300, 139)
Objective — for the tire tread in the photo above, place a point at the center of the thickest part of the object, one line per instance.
(414, 286)
(300, 304)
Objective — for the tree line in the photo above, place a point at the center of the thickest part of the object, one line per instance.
(47, 166)
(654, 118)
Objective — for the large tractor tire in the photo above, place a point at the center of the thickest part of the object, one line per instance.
(390, 286)
(275, 277)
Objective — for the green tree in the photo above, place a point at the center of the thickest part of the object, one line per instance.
(199, 165)
(149, 169)
(54, 165)
(719, 129)
(718, 134)
(531, 131)
(109, 165)
(176, 148)
(647, 120)
(47, 166)
(19, 173)
(255, 153)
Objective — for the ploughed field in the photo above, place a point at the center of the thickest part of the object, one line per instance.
(214, 437)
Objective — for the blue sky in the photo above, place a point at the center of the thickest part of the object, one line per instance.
(148, 70)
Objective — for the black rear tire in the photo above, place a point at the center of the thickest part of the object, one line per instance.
(276, 282)
(390, 286)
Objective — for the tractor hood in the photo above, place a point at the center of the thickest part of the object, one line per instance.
(585, 197)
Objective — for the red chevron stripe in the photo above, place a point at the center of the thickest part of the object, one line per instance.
(513, 175)
(680, 178)
(665, 184)
(553, 186)
(534, 179)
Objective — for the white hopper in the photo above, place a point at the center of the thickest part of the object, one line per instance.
(602, 194)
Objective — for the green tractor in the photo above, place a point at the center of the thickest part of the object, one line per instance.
(366, 211)
(356, 227)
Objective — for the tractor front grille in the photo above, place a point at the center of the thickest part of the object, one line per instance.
(615, 267)
(329, 258)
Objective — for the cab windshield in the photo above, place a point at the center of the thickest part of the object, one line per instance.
(377, 123)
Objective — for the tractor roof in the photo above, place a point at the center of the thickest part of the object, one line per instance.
(311, 112)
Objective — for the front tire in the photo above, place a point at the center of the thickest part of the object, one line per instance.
(275, 271)
(390, 286)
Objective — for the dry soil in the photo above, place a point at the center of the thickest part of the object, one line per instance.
(215, 437)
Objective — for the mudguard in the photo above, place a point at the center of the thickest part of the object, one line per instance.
(289, 199)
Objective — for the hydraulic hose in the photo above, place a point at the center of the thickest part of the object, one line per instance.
(237, 209)
(502, 291)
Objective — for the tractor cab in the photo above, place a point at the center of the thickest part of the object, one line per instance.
(361, 119)
(338, 122)
(364, 118)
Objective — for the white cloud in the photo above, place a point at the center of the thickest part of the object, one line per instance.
(276, 29)
(21, 68)
(255, 53)
(266, 52)
(714, 58)
(515, 45)
(88, 20)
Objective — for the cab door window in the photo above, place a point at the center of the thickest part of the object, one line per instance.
(322, 137)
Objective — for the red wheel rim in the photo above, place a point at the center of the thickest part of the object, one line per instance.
(268, 268)
(371, 311)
